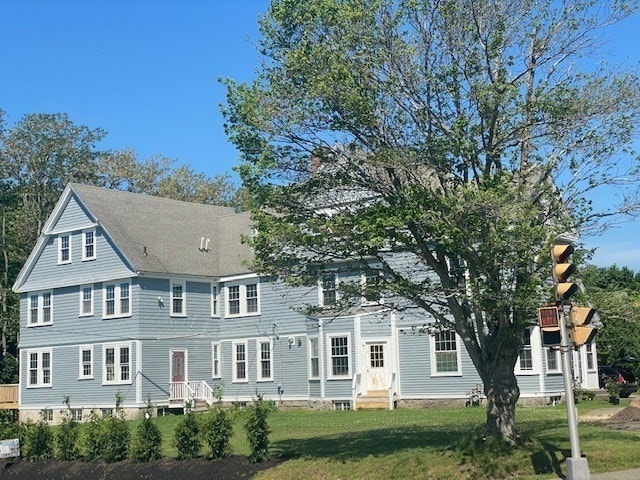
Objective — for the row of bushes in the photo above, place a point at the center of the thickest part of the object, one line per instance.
(109, 438)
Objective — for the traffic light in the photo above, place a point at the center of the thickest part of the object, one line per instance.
(562, 269)
(580, 317)
(549, 323)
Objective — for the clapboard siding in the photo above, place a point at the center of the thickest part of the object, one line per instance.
(69, 327)
(108, 264)
(415, 371)
(85, 393)
(153, 332)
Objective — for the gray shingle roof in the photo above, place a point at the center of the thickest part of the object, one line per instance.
(161, 235)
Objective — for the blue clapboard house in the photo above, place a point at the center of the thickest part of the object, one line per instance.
(154, 300)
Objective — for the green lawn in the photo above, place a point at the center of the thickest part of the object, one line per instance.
(429, 443)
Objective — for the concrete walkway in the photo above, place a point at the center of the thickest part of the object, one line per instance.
(621, 475)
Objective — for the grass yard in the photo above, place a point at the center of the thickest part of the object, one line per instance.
(433, 443)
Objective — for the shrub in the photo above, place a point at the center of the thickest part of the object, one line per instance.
(116, 439)
(93, 438)
(148, 443)
(38, 441)
(186, 437)
(116, 435)
(258, 430)
(66, 438)
(217, 428)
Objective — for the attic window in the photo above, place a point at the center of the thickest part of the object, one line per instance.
(88, 245)
(64, 249)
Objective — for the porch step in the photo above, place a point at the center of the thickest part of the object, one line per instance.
(374, 400)
(200, 406)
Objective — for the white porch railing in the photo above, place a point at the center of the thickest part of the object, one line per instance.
(188, 392)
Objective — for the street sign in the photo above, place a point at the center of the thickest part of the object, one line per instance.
(10, 448)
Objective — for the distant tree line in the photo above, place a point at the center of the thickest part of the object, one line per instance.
(615, 293)
(39, 155)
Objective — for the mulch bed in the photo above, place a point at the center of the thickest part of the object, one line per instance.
(232, 468)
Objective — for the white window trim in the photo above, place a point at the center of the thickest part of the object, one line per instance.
(235, 378)
(310, 339)
(116, 364)
(259, 377)
(60, 261)
(321, 287)
(81, 375)
(432, 355)
(536, 354)
(595, 357)
(81, 313)
(84, 245)
(215, 356)
(215, 300)
(183, 284)
(330, 375)
(40, 370)
(117, 297)
(242, 299)
(555, 352)
(40, 296)
(363, 284)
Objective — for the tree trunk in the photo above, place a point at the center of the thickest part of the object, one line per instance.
(501, 389)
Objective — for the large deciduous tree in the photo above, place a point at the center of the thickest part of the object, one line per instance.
(463, 136)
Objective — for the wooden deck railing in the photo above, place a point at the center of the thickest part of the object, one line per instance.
(8, 396)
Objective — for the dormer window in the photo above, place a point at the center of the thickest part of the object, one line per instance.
(328, 293)
(64, 249)
(88, 245)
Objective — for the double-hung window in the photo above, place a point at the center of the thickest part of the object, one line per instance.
(265, 365)
(40, 309)
(89, 245)
(117, 299)
(240, 362)
(339, 354)
(553, 362)
(314, 358)
(525, 359)
(178, 303)
(215, 301)
(64, 249)
(116, 363)
(86, 300)
(328, 292)
(371, 287)
(243, 299)
(40, 369)
(445, 353)
(590, 356)
(85, 361)
(215, 360)
(251, 298)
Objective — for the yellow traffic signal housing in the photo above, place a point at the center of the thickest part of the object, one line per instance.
(581, 333)
(562, 270)
(565, 290)
(561, 252)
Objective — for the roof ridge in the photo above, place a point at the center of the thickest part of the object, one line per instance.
(115, 191)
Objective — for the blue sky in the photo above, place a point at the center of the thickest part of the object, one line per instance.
(147, 72)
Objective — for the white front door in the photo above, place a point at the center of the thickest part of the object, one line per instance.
(376, 363)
